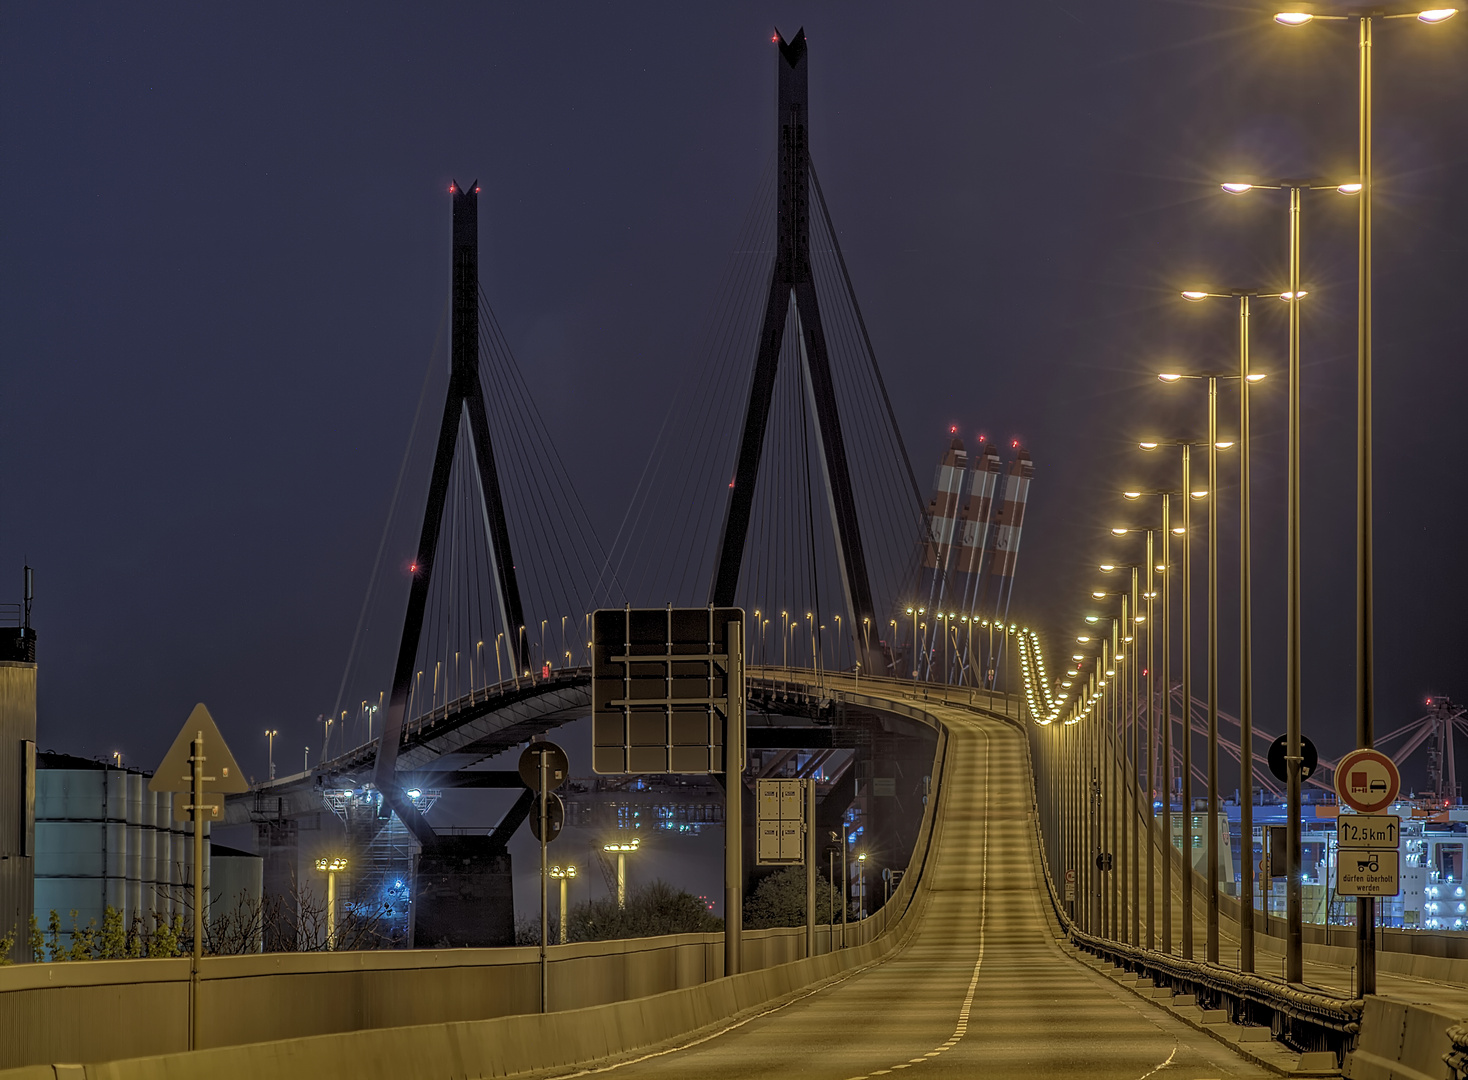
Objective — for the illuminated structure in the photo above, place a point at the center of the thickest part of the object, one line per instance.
(976, 516)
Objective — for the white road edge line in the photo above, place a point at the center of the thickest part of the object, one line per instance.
(1159, 1068)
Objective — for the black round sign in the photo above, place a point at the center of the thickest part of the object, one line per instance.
(557, 765)
(555, 817)
(1310, 760)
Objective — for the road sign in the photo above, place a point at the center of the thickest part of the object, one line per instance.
(1070, 885)
(1380, 831)
(176, 773)
(660, 693)
(780, 822)
(1367, 872)
(555, 817)
(557, 765)
(1368, 782)
(1310, 760)
(222, 776)
(1103, 861)
(1278, 851)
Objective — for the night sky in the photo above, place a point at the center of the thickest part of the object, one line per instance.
(225, 238)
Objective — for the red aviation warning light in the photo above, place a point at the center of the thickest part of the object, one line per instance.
(953, 429)
(412, 568)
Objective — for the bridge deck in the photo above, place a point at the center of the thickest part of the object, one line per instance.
(981, 988)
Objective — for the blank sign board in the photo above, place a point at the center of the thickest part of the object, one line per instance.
(660, 688)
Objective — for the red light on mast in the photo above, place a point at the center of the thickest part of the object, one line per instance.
(412, 568)
(953, 429)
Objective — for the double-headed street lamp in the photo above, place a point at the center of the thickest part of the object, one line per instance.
(1163, 568)
(1246, 621)
(1245, 378)
(1365, 610)
(1185, 531)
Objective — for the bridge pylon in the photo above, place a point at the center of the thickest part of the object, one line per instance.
(792, 283)
(464, 402)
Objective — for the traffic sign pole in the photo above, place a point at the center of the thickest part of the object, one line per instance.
(1367, 781)
(810, 868)
(733, 792)
(196, 810)
(544, 873)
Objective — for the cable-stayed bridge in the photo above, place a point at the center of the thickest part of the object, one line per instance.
(779, 483)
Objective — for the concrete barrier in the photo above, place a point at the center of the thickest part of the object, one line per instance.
(470, 1010)
(1400, 1041)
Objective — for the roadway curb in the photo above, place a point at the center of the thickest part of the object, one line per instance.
(1213, 1022)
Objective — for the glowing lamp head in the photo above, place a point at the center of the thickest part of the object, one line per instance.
(1178, 530)
(1224, 444)
(1098, 594)
(1294, 295)
(1257, 376)
(1436, 15)
(1236, 188)
(1201, 493)
(1293, 18)
(1350, 189)
(1148, 445)
(1107, 567)
(1118, 531)
(1092, 619)
(1131, 494)
(1169, 376)
(1194, 295)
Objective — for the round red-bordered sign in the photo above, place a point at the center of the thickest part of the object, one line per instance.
(1367, 781)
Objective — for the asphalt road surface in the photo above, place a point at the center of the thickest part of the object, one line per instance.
(980, 990)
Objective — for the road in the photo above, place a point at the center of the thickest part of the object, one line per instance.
(980, 989)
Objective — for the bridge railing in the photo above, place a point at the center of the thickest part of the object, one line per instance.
(1303, 1018)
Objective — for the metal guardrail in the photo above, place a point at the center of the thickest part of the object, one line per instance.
(1304, 1020)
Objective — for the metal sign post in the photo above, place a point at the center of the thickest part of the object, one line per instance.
(1368, 782)
(733, 800)
(810, 868)
(544, 766)
(182, 770)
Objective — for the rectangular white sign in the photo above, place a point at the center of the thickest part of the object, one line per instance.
(780, 822)
(1380, 831)
(1367, 872)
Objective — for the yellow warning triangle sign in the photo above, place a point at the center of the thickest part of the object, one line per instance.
(221, 773)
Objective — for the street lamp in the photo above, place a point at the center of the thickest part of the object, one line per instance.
(331, 866)
(1365, 644)
(270, 734)
(621, 848)
(1185, 531)
(1164, 568)
(1245, 377)
(861, 885)
(1246, 618)
(564, 874)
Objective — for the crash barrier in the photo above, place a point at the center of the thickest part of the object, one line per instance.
(1305, 1020)
(1456, 1057)
(609, 996)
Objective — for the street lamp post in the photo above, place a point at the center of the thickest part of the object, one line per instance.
(1365, 645)
(861, 885)
(1151, 595)
(1185, 531)
(1211, 825)
(564, 874)
(331, 866)
(621, 848)
(270, 734)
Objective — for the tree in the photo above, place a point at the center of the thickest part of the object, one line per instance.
(779, 900)
(653, 909)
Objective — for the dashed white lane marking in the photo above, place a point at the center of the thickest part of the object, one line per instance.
(961, 1028)
(1162, 1065)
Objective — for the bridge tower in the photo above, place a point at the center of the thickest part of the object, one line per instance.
(464, 402)
(792, 283)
